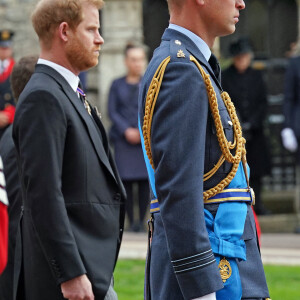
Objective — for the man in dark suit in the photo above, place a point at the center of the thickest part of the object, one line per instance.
(20, 75)
(204, 243)
(72, 195)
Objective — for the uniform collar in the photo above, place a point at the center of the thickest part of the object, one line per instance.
(70, 77)
(201, 45)
(192, 48)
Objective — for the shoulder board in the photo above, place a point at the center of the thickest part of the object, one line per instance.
(178, 51)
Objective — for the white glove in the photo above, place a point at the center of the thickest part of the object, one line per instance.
(289, 140)
(207, 297)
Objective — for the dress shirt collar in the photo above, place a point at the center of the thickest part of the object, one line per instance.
(70, 77)
(201, 45)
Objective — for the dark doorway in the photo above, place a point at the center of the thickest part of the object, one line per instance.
(155, 20)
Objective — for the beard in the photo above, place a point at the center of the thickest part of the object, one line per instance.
(79, 56)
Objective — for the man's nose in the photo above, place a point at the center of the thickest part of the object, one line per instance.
(99, 39)
(240, 4)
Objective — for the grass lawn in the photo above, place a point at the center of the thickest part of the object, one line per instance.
(283, 281)
(129, 279)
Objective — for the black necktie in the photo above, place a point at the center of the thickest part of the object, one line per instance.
(214, 65)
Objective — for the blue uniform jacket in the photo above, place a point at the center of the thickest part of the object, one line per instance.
(184, 146)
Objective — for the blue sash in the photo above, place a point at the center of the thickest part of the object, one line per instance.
(225, 232)
(148, 165)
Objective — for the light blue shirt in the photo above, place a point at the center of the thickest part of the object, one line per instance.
(202, 46)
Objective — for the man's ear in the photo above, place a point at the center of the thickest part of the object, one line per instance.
(200, 2)
(64, 31)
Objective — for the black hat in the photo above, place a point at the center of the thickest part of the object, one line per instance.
(6, 38)
(240, 46)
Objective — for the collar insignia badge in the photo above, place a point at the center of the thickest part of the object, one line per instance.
(180, 54)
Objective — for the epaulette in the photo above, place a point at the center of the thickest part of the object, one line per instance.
(178, 51)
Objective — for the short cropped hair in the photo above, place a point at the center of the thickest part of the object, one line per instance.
(21, 74)
(134, 45)
(48, 14)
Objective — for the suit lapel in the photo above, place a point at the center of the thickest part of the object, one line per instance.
(171, 34)
(111, 161)
(79, 107)
(94, 135)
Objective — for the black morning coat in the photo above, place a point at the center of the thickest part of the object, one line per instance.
(13, 189)
(73, 197)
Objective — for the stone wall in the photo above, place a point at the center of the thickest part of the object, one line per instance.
(15, 15)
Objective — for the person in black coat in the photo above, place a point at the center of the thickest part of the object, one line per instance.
(291, 106)
(248, 92)
(124, 134)
(20, 75)
(291, 109)
(72, 218)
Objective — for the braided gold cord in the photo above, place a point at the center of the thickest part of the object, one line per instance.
(225, 145)
(221, 160)
(223, 142)
(152, 95)
(213, 171)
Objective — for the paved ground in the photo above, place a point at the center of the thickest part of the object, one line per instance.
(281, 249)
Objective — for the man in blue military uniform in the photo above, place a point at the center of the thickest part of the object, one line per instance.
(203, 237)
(7, 103)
